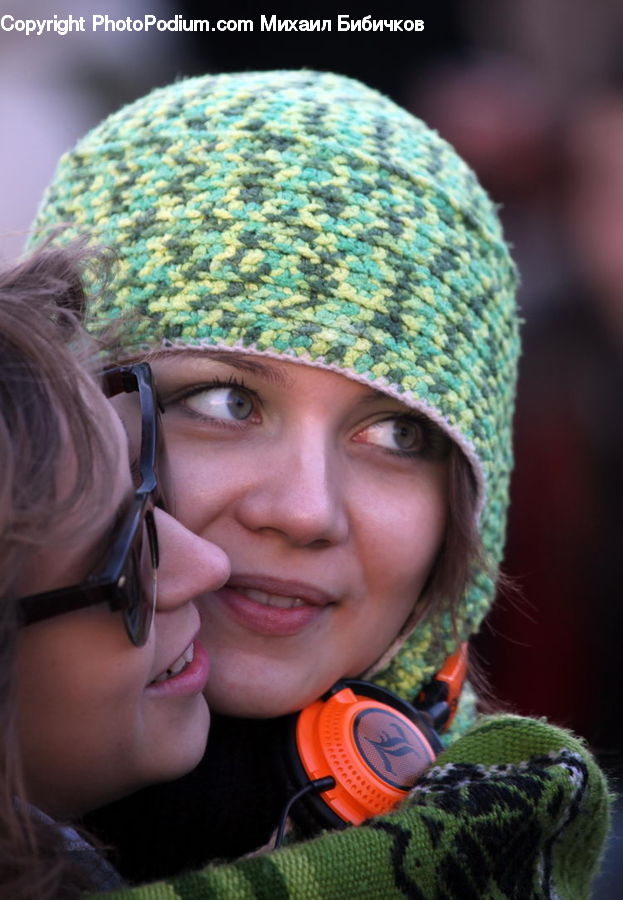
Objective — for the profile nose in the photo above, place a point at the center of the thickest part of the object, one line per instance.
(189, 565)
(300, 496)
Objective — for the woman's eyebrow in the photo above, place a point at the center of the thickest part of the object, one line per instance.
(241, 361)
(373, 395)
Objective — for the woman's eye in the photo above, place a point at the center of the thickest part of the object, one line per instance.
(408, 435)
(222, 402)
(401, 434)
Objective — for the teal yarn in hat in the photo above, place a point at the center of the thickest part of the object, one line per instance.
(305, 216)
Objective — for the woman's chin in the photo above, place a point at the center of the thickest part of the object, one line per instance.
(259, 702)
(184, 746)
(250, 707)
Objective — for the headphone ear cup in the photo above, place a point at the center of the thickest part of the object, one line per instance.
(373, 745)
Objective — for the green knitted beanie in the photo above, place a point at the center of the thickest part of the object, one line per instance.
(305, 216)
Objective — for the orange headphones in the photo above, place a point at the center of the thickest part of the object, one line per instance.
(360, 749)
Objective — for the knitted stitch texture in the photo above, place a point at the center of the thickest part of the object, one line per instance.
(305, 216)
(515, 810)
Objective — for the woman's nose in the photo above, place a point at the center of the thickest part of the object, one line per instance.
(189, 565)
(298, 493)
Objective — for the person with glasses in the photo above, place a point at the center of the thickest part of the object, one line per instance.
(327, 301)
(102, 670)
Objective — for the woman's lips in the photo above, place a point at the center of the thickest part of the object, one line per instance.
(271, 606)
(190, 679)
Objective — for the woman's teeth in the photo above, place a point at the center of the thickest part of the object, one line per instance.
(271, 599)
(185, 660)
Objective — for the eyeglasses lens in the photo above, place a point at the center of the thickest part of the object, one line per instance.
(138, 583)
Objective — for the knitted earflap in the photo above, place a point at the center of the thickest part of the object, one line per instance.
(305, 216)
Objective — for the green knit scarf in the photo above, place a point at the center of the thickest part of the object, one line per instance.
(515, 810)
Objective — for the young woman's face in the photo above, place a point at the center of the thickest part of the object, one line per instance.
(96, 719)
(329, 499)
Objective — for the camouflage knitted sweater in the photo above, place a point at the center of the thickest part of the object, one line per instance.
(516, 808)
